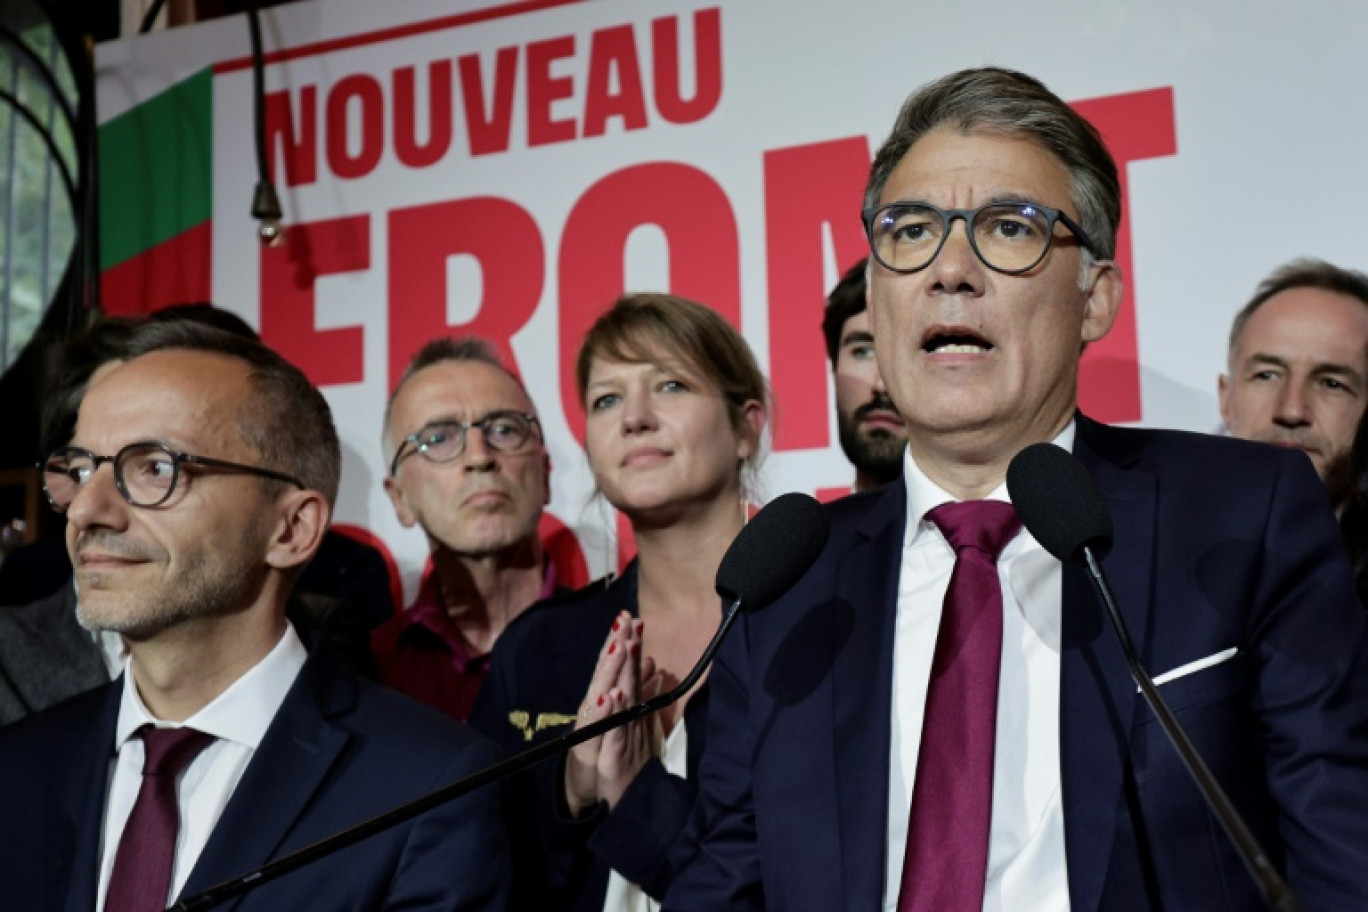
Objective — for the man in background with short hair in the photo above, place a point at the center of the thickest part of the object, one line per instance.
(1298, 366)
(468, 465)
(871, 430)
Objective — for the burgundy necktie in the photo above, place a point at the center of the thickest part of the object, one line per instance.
(141, 878)
(952, 799)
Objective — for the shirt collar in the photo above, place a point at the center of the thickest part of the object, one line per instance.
(240, 714)
(429, 611)
(427, 618)
(924, 495)
(548, 588)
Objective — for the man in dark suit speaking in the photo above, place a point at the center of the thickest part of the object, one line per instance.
(198, 484)
(936, 716)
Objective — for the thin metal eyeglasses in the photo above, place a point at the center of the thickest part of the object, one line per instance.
(443, 441)
(1010, 238)
(145, 473)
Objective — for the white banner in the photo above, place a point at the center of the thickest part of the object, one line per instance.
(508, 169)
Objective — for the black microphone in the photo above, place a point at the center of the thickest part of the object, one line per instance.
(1059, 504)
(768, 556)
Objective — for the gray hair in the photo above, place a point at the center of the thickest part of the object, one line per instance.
(1301, 273)
(289, 424)
(461, 350)
(997, 100)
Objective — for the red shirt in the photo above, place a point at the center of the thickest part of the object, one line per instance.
(421, 652)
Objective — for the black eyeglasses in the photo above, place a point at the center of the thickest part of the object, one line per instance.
(145, 473)
(1010, 238)
(443, 441)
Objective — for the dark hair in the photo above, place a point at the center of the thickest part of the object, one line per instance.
(1302, 273)
(289, 423)
(70, 364)
(208, 314)
(1003, 101)
(67, 369)
(639, 328)
(444, 349)
(845, 301)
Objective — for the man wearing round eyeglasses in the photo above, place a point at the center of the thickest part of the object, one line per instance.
(933, 717)
(198, 484)
(468, 465)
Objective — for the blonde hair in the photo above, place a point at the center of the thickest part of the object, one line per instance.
(638, 328)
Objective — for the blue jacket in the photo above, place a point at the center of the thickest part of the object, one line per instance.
(339, 751)
(1218, 543)
(538, 675)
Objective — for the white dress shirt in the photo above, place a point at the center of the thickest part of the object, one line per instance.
(238, 718)
(1026, 863)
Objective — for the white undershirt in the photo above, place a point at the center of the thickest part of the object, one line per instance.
(238, 718)
(113, 651)
(623, 895)
(1026, 862)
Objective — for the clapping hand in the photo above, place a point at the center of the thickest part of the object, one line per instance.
(602, 768)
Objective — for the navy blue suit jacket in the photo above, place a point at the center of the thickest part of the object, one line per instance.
(339, 751)
(1218, 544)
(538, 677)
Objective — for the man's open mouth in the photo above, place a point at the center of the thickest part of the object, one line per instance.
(955, 342)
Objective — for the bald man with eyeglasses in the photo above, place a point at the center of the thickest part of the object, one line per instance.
(468, 466)
(197, 485)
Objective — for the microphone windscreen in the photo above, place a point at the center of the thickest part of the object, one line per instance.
(773, 551)
(1058, 501)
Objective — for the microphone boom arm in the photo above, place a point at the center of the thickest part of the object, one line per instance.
(213, 896)
(1276, 893)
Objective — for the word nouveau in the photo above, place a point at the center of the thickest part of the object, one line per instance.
(362, 116)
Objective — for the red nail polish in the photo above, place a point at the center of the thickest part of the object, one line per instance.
(616, 625)
(600, 700)
(636, 649)
(612, 648)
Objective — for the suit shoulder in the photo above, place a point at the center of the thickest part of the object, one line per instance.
(846, 512)
(565, 616)
(382, 708)
(384, 722)
(1180, 452)
(856, 517)
(590, 594)
(39, 732)
(1148, 439)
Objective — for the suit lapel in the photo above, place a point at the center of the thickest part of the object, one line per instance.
(1097, 695)
(865, 605)
(71, 853)
(294, 757)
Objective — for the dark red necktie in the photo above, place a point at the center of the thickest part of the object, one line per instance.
(952, 799)
(141, 878)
